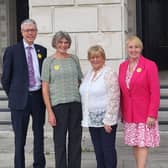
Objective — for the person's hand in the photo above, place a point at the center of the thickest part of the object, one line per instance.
(150, 122)
(52, 119)
(107, 128)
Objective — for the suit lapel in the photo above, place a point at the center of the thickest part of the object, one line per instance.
(39, 56)
(139, 68)
(22, 54)
(38, 52)
(124, 70)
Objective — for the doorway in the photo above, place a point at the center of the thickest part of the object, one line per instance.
(152, 27)
(12, 14)
(22, 13)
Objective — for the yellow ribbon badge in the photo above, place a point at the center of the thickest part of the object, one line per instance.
(139, 70)
(39, 55)
(56, 67)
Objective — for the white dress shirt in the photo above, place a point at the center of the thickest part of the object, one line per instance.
(35, 66)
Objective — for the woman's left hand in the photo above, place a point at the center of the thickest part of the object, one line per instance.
(107, 128)
(150, 122)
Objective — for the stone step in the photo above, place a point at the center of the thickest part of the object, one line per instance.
(7, 139)
(125, 160)
(164, 91)
(4, 109)
(5, 119)
(163, 112)
(6, 159)
(163, 102)
(157, 156)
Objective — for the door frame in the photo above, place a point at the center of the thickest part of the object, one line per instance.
(22, 13)
(152, 48)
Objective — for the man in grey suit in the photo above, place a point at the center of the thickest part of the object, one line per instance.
(21, 81)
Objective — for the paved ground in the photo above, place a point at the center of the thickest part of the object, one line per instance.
(158, 156)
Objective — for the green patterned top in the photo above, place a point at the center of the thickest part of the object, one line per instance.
(63, 76)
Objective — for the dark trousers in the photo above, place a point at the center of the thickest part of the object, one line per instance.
(68, 117)
(20, 120)
(104, 146)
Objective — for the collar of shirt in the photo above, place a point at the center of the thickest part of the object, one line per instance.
(27, 45)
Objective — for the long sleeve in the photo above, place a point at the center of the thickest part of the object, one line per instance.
(154, 89)
(113, 94)
(7, 70)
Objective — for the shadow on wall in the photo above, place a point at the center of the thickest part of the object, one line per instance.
(1, 58)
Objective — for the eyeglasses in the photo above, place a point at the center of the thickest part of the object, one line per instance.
(29, 30)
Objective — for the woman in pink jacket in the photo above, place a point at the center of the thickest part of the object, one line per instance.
(140, 99)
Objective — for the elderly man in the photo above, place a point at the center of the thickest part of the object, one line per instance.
(22, 83)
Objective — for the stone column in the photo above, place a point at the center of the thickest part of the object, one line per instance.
(3, 29)
(7, 26)
(131, 17)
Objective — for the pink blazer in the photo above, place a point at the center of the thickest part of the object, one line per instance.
(142, 99)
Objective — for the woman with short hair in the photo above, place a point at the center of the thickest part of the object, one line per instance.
(61, 75)
(100, 96)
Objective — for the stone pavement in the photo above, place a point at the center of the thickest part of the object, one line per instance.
(158, 157)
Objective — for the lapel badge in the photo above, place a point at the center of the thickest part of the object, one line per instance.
(39, 55)
(56, 67)
(139, 70)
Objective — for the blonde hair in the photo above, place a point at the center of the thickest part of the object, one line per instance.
(96, 49)
(136, 40)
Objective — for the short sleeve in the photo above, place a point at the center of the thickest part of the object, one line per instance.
(45, 74)
(80, 74)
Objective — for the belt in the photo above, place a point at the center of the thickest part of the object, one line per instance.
(35, 92)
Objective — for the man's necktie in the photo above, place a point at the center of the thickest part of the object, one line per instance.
(32, 80)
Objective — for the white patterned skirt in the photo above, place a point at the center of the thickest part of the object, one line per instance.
(138, 134)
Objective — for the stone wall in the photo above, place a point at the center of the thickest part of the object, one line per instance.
(3, 29)
(131, 17)
(89, 22)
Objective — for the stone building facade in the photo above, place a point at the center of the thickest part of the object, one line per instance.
(89, 22)
(3, 27)
(7, 25)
